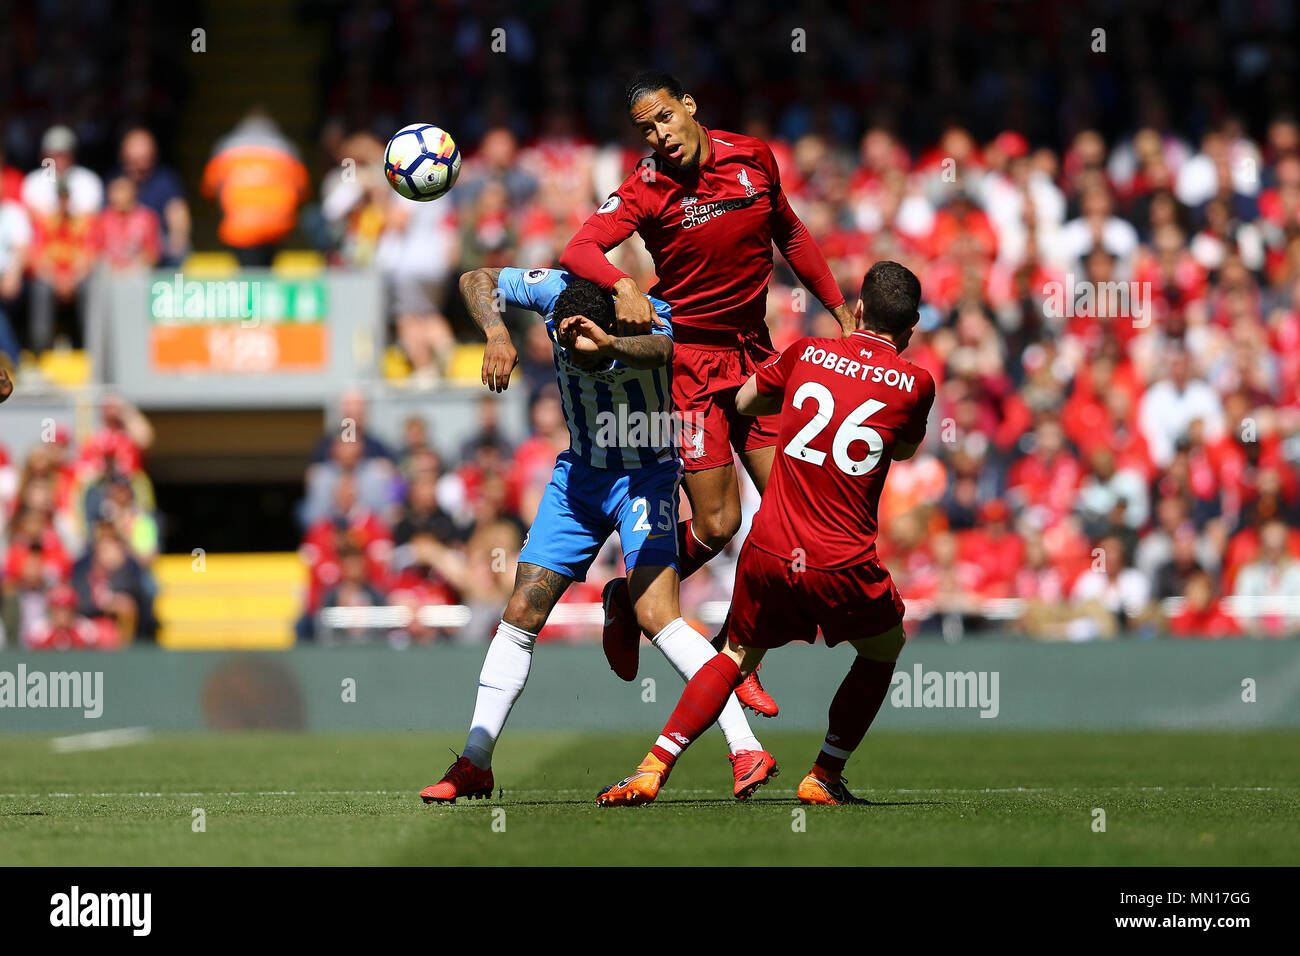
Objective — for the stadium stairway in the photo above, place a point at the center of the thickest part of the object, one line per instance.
(235, 602)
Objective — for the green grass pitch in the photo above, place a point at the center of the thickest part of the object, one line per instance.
(940, 798)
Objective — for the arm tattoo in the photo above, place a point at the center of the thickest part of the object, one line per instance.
(644, 351)
(541, 587)
(478, 288)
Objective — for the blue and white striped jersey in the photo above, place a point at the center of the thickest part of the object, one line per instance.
(618, 417)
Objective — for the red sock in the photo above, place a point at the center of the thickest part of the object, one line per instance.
(853, 708)
(692, 554)
(705, 695)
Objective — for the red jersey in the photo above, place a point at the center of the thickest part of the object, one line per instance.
(710, 231)
(847, 403)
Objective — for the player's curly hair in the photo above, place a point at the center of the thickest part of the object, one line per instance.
(583, 297)
(645, 82)
(891, 295)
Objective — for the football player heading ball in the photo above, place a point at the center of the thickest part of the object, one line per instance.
(709, 205)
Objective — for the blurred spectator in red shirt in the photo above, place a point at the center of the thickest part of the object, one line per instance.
(64, 629)
(129, 236)
(1046, 480)
(32, 534)
(995, 549)
(1202, 615)
(350, 523)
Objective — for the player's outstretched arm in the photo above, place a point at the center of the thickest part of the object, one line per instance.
(479, 290)
(750, 401)
(584, 256)
(643, 351)
(633, 310)
(634, 351)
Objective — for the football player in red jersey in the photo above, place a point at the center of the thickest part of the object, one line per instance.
(709, 206)
(848, 407)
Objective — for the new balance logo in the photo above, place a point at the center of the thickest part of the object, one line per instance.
(680, 738)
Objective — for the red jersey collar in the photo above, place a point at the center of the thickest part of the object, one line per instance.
(713, 150)
(877, 338)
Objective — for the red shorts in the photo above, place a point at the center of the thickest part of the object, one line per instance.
(773, 604)
(708, 369)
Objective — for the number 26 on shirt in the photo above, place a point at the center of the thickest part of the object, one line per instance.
(851, 430)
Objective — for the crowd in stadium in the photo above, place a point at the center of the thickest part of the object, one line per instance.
(1090, 455)
(80, 533)
(1112, 318)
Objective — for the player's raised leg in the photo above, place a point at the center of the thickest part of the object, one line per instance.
(654, 592)
(853, 708)
(715, 507)
(501, 681)
(700, 706)
(714, 494)
(758, 465)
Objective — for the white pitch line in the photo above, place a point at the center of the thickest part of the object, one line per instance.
(570, 791)
(99, 740)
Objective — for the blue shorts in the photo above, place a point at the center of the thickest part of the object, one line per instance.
(583, 505)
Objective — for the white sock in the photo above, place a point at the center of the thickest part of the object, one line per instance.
(505, 671)
(688, 650)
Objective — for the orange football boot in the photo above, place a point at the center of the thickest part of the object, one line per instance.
(750, 693)
(818, 789)
(462, 779)
(752, 769)
(640, 788)
(621, 636)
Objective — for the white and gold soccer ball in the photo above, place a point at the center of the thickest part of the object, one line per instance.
(422, 162)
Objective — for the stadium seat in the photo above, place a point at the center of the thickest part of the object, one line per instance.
(466, 365)
(298, 263)
(395, 366)
(237, 602)
(216, 265)
(69, 368)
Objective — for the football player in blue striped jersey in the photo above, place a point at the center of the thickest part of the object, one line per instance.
(620, 473)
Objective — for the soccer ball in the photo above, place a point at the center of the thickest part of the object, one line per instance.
(421, 162)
